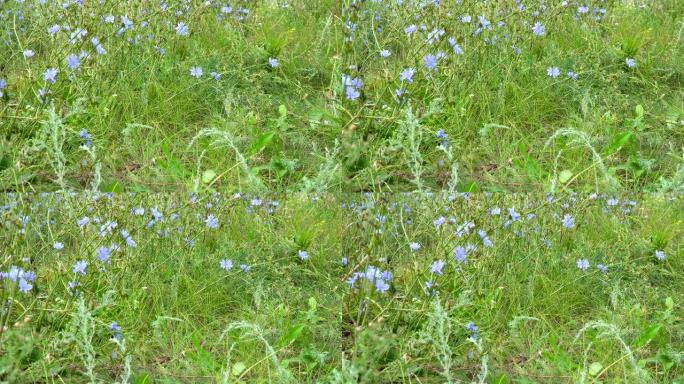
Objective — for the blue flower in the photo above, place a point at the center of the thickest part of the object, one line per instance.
(127, 237)
(182, 29)
(50, 75)
(73, 62)
(28, 53)
(454, 45)
(461, 255)
(407, 75)
(437, 267)
(381, 286)
(485, 239)
(602, 268)
(572, 75)
(553, 72)
(196, 72)
(83, 221)
(660, 255)
(80, 267)
(103, 254)
(430, 61)
(385, 53)
(24, 286)
(538, 29)
(474, 330)
(304, 255)
(226, 264)
(73, 288)
(583, 264)
(58, 246)
(352, 93)
(631, 63)
(212, 222)
(414, 246)
(86, 136)
(515, 216)
(273, 62)
(568, 221)
(98, 47)
(114, 327)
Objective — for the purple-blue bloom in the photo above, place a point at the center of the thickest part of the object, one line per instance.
(553, 72)
(80, 267)
(226, 264)
(568, 221)
(583, 264)
(196, 72)
(73, 62)
(103, 254)
(212, 222)
(430, 61)
(461, 255)
(437, 267)
(24, 286)
(50, 75)
(381, 286)
(182, 29)
(407, 75)
(352, 93)
(538, 29)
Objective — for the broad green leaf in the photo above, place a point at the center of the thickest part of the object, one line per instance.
(595, 368)
(647, 335)
(618, 142)
(292, 334)
(208, 176)
(565, 176)
(262, 142)
(639, 111)
(238, 368)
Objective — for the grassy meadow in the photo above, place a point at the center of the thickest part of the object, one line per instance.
(341, 191)
(417, 289)
(342, 96)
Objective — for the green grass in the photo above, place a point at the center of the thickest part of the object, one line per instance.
(499, 108)
(340, 184)
(184, 319)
